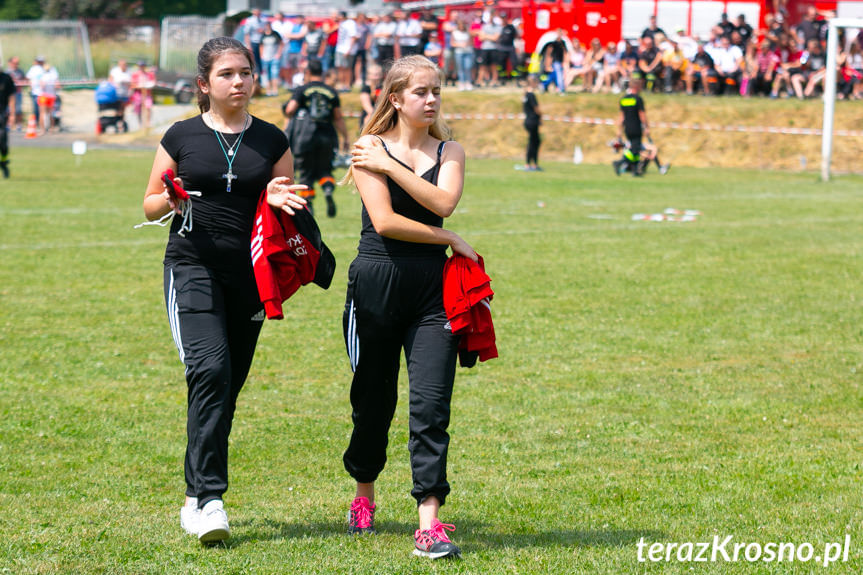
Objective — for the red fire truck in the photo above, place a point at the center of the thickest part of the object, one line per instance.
(613, 20)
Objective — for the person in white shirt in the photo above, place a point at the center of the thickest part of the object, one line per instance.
(384, 38)
(408, 31)
(34, 75)
(49, 82)
(345, 47)
(728, 60)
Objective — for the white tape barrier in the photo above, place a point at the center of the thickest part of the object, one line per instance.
(668, 125)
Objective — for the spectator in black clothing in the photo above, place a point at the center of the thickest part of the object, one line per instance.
(809, 28)
(429, 24)
(506, 47)
(726, 25)
(700, 71)
(649, 62)
(532, 121)
(745, 31)
(652, 30)
(369, 93)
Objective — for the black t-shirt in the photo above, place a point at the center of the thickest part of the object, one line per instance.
(507, 36)
(631, 105)
(648, 56)
(652, 32)
(321, 101)
(702, 61)
(529, 106)
(557, 48)
(815, 60)
(745, 32)
(373, 94)
(427, 19)
(313, 42)
(221, 221)
(809, 29)
(403, 204)
(7, 89)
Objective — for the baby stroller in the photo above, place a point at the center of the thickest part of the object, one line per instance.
(57, 113)
(110, 109)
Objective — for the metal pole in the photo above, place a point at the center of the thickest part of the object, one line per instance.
(829, 101)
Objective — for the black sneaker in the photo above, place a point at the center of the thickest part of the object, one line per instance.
(331, 207)
(434, 543)
(617, 165)
(4, 166)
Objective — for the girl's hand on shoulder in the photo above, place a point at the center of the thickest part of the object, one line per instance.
(282, 195)
(369, 154)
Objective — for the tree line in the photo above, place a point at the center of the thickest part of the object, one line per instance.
(71, 9)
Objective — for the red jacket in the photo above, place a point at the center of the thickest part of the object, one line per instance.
(287, 252)
(466, 296)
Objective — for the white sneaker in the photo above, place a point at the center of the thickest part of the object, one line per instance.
(213, 524)
(190, 516)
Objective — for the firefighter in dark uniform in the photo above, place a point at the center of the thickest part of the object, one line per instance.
(633, 124)
(318, 103)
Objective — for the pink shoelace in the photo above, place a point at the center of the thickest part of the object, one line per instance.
(437, 532)
(361, 512)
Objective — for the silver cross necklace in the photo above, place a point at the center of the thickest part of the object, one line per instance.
(229, 150)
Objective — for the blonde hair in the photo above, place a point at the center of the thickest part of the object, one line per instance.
(385, 117)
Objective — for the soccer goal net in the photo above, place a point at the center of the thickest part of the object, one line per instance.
(65, 44)
(182, 37)
(850, 25)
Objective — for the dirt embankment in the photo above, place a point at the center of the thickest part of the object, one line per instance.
(701, 136)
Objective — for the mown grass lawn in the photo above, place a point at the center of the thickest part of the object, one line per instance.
(670, 382)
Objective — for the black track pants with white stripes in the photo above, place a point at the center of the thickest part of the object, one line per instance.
(394, 304)
(215, 320)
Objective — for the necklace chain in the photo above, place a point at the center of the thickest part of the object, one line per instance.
(228, 150)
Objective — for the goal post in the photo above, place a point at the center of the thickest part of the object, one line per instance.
(830, 89)
(65, 44)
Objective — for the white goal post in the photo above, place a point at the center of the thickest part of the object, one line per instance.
(830, 89)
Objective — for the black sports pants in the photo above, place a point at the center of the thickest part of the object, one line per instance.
(4, 134)
(215, 319)
(395, 303)
(533, 142)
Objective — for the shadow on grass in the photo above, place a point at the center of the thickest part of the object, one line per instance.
(471, 535)
(475, 536)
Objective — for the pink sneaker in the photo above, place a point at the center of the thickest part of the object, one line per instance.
(361, 517)
(434, 543)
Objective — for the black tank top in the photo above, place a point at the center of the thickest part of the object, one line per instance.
(403, 204)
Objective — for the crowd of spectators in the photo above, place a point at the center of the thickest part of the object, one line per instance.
(483, 47)
(776, 61)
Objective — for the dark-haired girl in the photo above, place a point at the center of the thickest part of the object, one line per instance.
(227, 157)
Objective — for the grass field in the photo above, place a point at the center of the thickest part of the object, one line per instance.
(665, 381)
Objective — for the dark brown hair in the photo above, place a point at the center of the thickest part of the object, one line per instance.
(208, 54)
